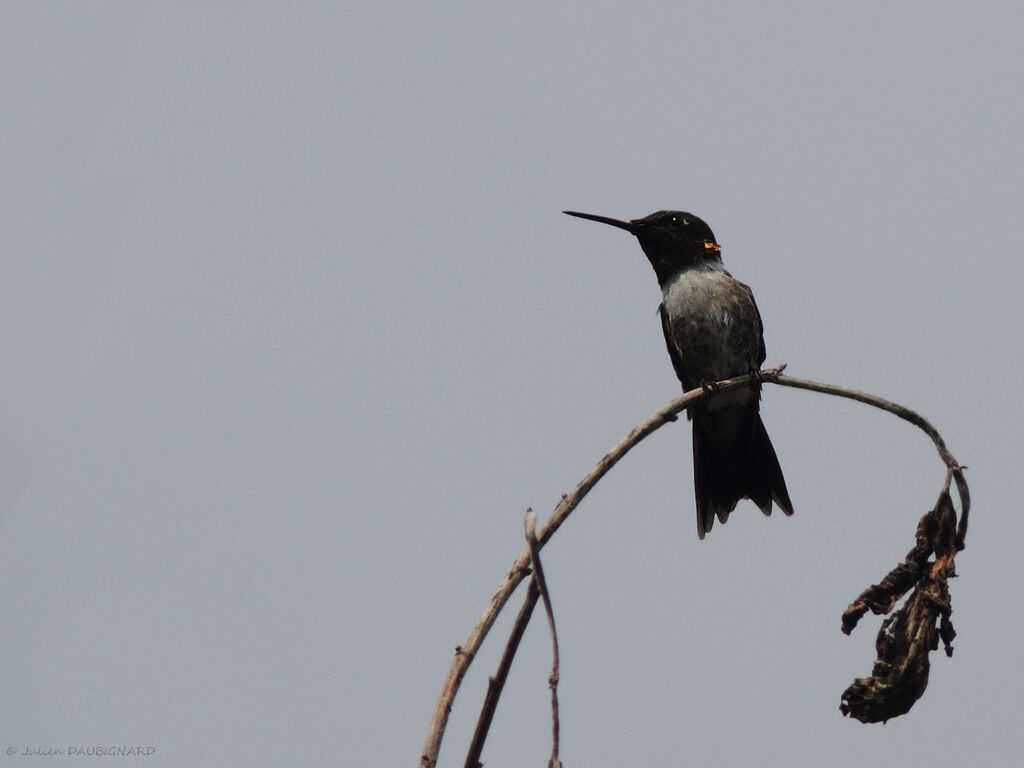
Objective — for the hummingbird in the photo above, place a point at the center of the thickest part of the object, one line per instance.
(713, 331)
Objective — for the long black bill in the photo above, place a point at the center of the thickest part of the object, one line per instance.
(629, 227)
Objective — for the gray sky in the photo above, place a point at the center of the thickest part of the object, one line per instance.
(295, 332)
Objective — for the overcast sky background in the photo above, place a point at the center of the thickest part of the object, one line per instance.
(294, 332)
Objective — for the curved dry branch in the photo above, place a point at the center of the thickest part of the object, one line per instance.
(906, 414)
(520, 569)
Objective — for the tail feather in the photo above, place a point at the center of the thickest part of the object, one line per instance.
(733, 459)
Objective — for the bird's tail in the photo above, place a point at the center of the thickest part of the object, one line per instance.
(733, 459)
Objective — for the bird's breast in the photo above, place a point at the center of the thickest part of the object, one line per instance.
(713, 324)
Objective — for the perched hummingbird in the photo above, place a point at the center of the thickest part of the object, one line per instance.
(713, 331)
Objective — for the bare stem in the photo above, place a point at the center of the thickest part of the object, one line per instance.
(496, 684)
(538, 577)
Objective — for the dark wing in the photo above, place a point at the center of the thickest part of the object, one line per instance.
(673, 353)
(760, 325)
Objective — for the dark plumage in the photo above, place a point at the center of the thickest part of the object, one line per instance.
(713, 331)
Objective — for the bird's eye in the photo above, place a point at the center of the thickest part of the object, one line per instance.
(679, 221)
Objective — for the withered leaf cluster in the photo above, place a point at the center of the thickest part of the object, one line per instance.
(900, 674)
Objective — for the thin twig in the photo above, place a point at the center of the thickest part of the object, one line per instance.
(538, 578)
(496, 684)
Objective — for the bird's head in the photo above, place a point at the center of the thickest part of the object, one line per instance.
(672, 240)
